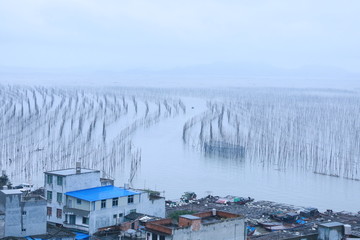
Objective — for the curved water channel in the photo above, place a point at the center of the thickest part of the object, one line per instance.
(169, 166)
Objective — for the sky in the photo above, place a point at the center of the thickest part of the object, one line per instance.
(158, 35)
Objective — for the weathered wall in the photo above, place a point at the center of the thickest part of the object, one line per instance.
(29, 216)
(335, 233)
(152, 207)
(233, 229)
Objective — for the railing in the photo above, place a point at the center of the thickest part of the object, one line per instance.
(76, 226)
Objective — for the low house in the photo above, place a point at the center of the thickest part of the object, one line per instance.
(94, 208)
(21, 213)
(207, 225)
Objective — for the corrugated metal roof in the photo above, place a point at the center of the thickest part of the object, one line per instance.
(101, 193)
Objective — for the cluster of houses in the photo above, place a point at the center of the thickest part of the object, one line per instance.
(78, 202)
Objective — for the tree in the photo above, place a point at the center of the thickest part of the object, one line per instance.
(4, 181)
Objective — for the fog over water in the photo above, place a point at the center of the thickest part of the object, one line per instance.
(138, 88)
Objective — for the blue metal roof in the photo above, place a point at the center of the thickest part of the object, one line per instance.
(100, 193)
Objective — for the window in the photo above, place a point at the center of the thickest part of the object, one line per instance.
(78, 201)
(24, 213)
(49, 211)
(85, 220)
(131, 199)
(120, 214)
(59, 180)
(162, 237)
(58, 213)
(49, 195)
(103, 203)
(115, 202)
(23, 229)
(59, 197)
(115, 216)
(133, 211)
(49, 179)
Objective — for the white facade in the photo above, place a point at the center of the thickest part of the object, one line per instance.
(21, 215)
(58, 182)
(91, 215)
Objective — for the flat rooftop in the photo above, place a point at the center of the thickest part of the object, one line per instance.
(331, 224)
(191, 217)
(12, 191)
(101, 193)
(70, 171)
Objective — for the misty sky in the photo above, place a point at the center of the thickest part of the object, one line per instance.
(156, 35)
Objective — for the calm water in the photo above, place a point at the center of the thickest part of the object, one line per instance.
(167, 165)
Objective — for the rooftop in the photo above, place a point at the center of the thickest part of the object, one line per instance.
(166, 226)
(12, 191)
(191, 217)
(331, 224)
(101, 193)
(70, 171)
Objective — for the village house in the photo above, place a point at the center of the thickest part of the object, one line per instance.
(94, 208)
(207, 225)
(58, 182)
(21, 214)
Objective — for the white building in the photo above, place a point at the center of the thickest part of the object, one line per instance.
(58, 182)
(21, 214)
(94, 208)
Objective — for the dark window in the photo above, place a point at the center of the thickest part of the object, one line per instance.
(115, 216)
(120, 214)
(49, 195)
(133, 211)
(59, 180)
(85, 220)
(49, 211)
(59, 197)
(115, 202)
(24, 213)
(103, 203)
(154, 236)
(23, 229)
(49, 179)
(72, 219)
(58, 213)
(78, 201)
(131, 199)
(162, 237)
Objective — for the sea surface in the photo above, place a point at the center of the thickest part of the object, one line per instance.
(173, 168)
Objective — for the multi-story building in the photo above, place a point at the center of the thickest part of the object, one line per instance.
(21, 214)
(207, 225)
(94, 208)
(58, 182)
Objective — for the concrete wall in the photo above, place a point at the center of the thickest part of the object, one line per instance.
(231, 229)
(154, 207)
(70, 183)
(334, 233)
(23, 218)
(2, 225)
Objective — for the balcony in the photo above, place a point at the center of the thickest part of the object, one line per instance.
(76, 211)
(76, 226)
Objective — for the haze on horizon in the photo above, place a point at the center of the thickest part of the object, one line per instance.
(277, 38)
